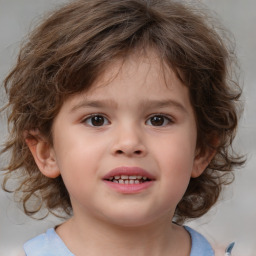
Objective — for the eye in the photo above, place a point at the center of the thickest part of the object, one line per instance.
(159, 120)
(96, 120)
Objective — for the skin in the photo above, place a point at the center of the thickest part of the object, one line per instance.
(135, 129)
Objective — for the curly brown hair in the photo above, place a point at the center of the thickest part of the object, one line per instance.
(69, 50)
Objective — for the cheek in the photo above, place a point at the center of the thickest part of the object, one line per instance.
(78, 171)
(176, 161)
(177, 153)
(78, 154)
(76, 148)
(177, 173)
(76, 162)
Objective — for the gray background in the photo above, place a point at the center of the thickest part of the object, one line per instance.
(234, 216)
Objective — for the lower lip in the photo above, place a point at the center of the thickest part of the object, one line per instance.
(129, 188)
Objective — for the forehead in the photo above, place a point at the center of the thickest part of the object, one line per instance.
(140, 77)
(142, 67)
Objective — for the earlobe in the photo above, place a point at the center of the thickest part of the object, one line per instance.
(201, 162)
(43, 154)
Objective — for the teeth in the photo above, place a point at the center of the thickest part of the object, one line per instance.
(125, 179)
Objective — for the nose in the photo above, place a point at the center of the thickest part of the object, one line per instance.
(130, 142)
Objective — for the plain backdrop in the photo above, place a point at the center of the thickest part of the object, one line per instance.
(234, 216)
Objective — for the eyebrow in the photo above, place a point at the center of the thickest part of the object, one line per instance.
(164, 104)
(149, 104)
(94, 104)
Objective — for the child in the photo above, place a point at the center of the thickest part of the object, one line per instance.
(122, 115)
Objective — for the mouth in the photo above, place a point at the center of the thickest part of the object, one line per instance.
(129, 179)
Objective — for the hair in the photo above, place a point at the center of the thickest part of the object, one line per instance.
(65, 55)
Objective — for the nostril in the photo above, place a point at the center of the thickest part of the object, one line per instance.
(136, 152)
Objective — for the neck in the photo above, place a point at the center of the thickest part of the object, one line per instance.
(99, 238)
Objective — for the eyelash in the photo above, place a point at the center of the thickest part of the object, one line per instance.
(166, 120)
(88, 120)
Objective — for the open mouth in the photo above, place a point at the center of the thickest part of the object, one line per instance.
(128, 179)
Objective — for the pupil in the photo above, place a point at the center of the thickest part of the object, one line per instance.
(97, 120)
(157, 120)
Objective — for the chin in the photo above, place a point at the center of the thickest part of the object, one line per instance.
(131, 219)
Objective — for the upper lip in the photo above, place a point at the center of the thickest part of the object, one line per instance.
(129, 171)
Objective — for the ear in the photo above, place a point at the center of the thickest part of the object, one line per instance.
(43, 153)
(201, 162)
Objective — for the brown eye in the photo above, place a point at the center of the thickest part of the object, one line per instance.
(96, 120)
(158, 120)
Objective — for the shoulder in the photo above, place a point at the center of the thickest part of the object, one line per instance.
(47, 244)
(200, 245)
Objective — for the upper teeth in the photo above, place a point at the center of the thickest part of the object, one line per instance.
(128, 179)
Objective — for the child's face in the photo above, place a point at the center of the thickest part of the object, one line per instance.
(133, 122)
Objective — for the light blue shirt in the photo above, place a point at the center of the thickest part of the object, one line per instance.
(50, 244)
